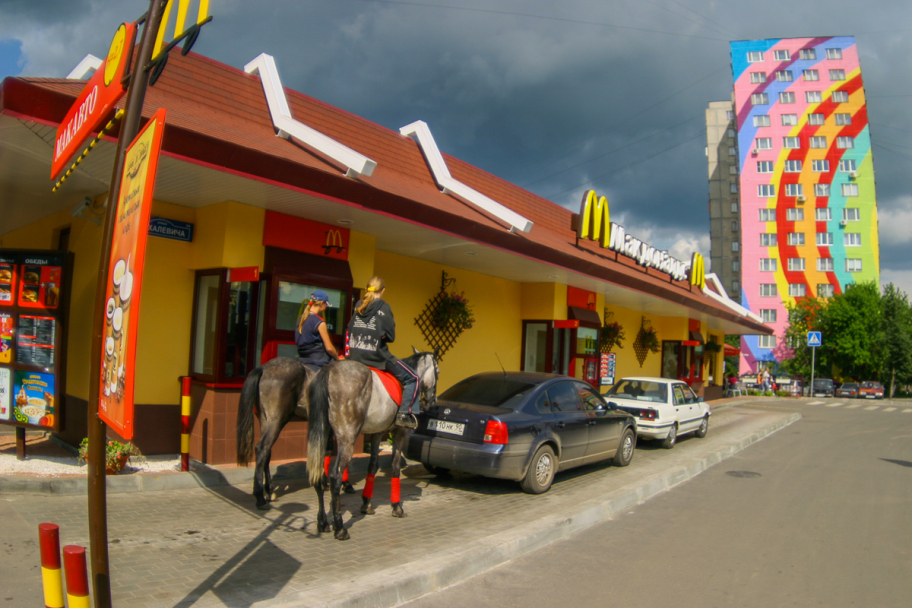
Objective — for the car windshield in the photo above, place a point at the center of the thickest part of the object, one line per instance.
(870, 385)
(849, 385)
(819, 382)
(640, 390)
(497, 392)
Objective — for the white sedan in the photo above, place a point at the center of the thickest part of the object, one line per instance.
(664, 408)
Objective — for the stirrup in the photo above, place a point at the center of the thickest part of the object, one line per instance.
(407, 419)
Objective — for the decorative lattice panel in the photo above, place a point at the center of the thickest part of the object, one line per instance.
(639, 348)
(442, 338)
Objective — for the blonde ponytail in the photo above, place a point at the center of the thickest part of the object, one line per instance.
(305, 314)
(374, 287)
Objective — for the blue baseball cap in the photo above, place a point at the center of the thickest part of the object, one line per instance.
(320, 296)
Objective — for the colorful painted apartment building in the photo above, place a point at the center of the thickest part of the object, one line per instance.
(808, 208)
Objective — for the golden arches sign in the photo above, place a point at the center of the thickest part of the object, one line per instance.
(697, 270)
(594, 218)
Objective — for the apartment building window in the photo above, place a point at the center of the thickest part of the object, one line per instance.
(789, 120)
(818, 141)
(755, 56)
(846, 165)
(768, 290)
(808, 53)
(823, 214)
(796, 238)
(791, 143)
(851, 214)
(816, 119)
(853, 265)
(729, 114)
(820, 166)
(736, 265)
(764, 166)
(730, 133)
(784, 76)
(781, 55)
(760, 99)
(787, 97)
(766, 190)
(734, 207)
(834, 53)
(850, 189)
(851, 239)
(768, 315)
(764, 143)
(761, 120)
(768, 239)
(797, 290)
(821, 189)
(794, 190)
(734, 227)
(825, 264)
(733, 169)
(813, 96)
(796, 263)
(793, 166)
(824, 239)
(837, 74)
(732, 151)
(840, 96)
(768, 265)
(733, 188)
(767, 215)
(810, 75)
(794, 215)
(843, 119)
(735, 286)
(758, 77)
(766, 342)
(825, 290)
(736, 246)
(844, 142)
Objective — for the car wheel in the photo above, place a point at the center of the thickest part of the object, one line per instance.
(541, 471)
(438, 471)
(704, 428)
(625, 450)
(669, 442)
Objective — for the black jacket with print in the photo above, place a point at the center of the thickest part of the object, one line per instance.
(369, 333)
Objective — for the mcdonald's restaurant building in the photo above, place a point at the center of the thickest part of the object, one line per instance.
(264, 195)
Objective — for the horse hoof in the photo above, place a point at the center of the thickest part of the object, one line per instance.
(272, 496)
(368, 510)
(342, 534)
(263, 506)
(327, 528)
(398, 512)
(348, 488)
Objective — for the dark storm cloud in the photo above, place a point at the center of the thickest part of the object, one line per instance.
(556, 97)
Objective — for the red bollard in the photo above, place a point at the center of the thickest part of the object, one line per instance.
(49, 541)
(77, 577)
(185, 423)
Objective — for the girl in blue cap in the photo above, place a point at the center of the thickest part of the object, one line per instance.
(311, 336)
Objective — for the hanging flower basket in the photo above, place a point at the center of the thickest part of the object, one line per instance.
(712, 347)
(452, 311)
(117, 454)
(611, 336)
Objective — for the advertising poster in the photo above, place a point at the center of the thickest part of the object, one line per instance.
(6, 337)
(128, 250)
(7, 280)
(34, 398)
(39, 284)
(607, 366)
(6, 390)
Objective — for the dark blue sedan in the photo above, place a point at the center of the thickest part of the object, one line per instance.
(521, 426)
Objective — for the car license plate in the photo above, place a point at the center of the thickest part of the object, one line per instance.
(442, 426)
(869, 396)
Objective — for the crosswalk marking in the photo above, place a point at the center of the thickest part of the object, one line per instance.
(834, 404)
(853, 406)
(872, 407)
(890, 409)
(816, 402)
(906, 411)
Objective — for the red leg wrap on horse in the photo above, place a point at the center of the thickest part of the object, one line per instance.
(326, 466)
(345, 474)
(394, 493)
(368, 486)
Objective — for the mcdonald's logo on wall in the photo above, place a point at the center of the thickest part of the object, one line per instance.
(697, 270)
(307, 236)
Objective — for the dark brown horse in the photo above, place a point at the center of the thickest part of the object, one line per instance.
(347, 399)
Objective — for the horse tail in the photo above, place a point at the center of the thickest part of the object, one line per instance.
(318, 429)
(250, 396)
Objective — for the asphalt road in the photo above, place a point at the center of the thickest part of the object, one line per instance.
(818, 514)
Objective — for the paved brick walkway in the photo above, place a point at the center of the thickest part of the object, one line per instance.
(211, 547)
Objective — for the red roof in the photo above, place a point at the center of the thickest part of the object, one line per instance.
(218, 115)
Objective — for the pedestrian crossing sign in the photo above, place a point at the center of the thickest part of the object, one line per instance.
(814, 338)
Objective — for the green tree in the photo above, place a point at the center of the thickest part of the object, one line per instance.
(897, 341)
(852, 326)
(804, 315)
(732, 363)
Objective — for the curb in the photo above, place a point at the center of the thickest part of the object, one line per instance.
(158, 482)
(393, 587)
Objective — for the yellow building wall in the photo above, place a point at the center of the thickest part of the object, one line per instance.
(410, 285)
(543, 301)
(361, 253)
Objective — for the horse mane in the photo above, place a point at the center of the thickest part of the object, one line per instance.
(413, 360)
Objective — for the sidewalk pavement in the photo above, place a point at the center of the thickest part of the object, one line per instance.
(209, 546)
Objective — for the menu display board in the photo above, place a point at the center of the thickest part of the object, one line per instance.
(607, 366)
(33, 307)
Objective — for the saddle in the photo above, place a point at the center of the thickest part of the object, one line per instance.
(390, 383)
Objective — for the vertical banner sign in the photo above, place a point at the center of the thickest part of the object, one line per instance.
(128, 252)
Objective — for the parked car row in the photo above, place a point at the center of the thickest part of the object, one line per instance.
(527, 427)
(851, 390)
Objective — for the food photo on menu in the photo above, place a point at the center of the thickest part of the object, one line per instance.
(6, 284)
(116, 317)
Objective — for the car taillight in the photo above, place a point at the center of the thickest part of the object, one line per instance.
(648, 414)
(496, 432)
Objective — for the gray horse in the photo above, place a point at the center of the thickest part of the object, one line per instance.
(346, 399)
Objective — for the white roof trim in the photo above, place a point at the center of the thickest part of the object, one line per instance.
(447, 184)
(88, 64)
(264, 66)
(722, 298)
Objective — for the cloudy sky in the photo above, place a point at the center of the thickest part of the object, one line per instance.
(557, 97)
